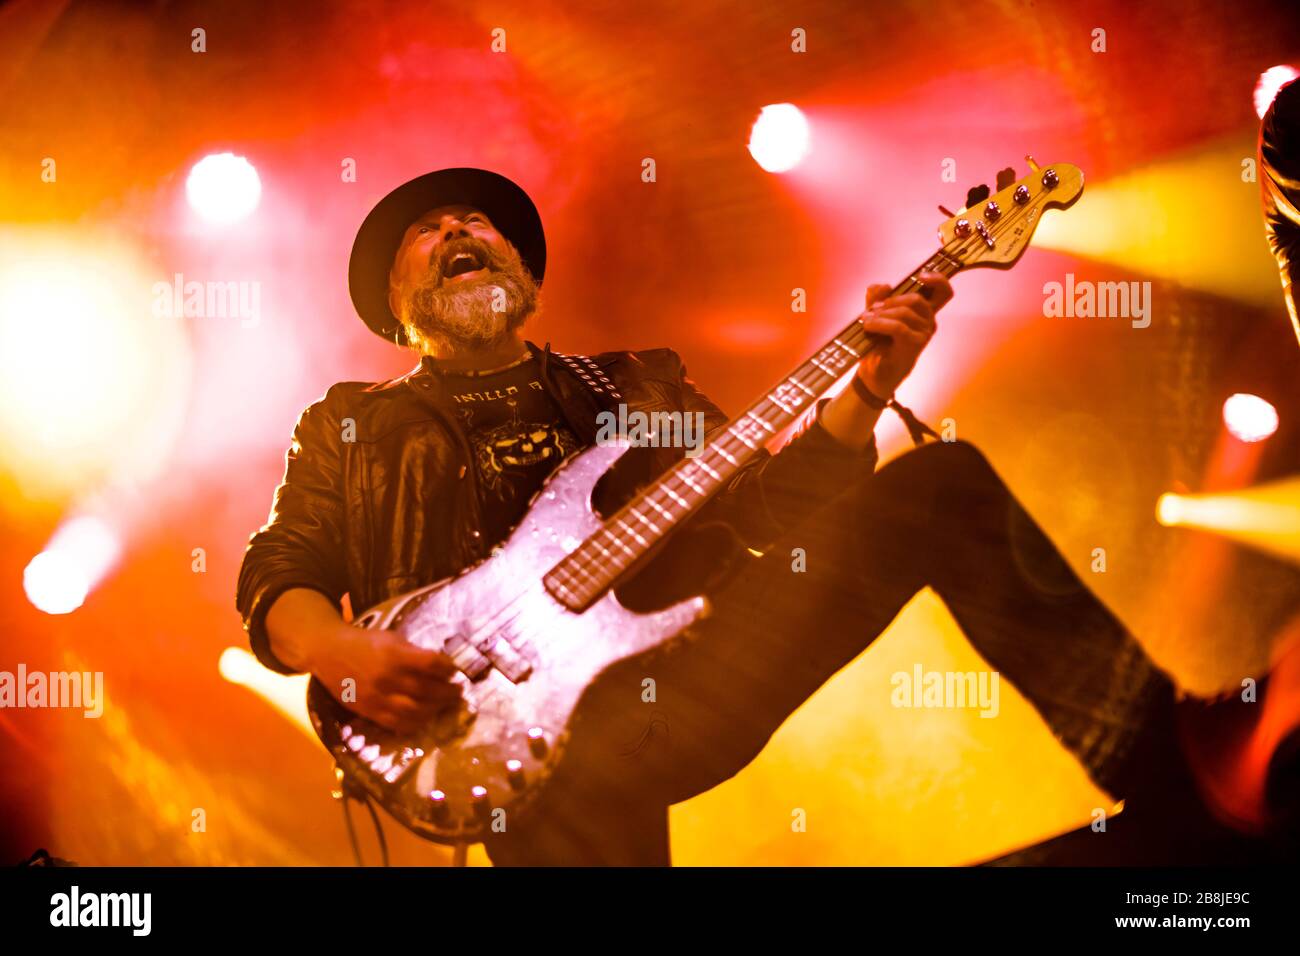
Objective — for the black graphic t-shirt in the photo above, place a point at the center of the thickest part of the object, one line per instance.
(517, 434)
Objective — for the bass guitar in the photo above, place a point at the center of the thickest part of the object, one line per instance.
(533, 626)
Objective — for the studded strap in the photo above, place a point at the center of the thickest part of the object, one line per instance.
(590, 373)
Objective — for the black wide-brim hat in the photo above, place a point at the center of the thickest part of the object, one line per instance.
(512, 212)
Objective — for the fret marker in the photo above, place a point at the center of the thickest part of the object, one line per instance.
(686, 480)
(659, 508)
(628, 528)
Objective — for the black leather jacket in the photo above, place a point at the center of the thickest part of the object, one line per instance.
(1279, 154)
(390, 505)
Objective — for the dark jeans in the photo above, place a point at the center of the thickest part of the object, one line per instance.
(938, 516)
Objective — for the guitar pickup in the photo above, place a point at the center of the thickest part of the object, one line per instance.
(473, 664)
(505, 658)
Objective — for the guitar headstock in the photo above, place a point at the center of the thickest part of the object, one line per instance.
(995, 231)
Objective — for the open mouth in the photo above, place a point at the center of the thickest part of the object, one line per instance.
(463, 265)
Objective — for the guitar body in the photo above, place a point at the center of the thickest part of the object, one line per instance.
(525, 662)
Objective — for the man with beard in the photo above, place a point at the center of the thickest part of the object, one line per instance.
(440, 464)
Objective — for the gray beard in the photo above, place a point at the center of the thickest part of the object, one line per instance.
(443, 320)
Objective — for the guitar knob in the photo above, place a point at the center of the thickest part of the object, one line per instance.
(992, 211)
(438, 801)
(1050, 178)
(962, 228)
(1021, 195)
(479, 798)
(515, 773)
(537, 741)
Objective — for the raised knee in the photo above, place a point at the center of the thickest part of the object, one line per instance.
(959, 458)
(962, 454)
(937, 477)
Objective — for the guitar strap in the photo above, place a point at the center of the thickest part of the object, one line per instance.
(592, 375)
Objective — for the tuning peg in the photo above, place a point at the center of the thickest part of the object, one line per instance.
(1006, 177)
(1033, 166)
(976, 195)
(946, 211)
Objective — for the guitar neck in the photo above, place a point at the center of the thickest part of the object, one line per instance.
(627, 537)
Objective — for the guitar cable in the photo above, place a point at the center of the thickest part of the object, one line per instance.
(460, 852)
(351, 792)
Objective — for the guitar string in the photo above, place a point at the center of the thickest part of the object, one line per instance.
(579, 562)
(582, 564)
(942, 260)
(854, 332)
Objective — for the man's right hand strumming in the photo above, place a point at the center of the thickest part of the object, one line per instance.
(397, 686)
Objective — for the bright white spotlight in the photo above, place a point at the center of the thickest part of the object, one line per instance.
(223, 188)
(1169, 509)
(78, 556)
(780, 138)
(1249, 417)
(92, 384)
(54, 583)
(1270, 81)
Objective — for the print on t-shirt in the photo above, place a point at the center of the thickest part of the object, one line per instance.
(518, 436)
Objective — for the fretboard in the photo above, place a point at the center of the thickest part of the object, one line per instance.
(629, 535)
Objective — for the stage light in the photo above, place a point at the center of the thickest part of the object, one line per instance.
(286, 693)
(1266, 517)
(54, 584)
(1249, 417)
(1169, 509)
(780, 138)
(81, 552)
(1141, 222)
(1270, 81)
(91, 383)
(223, 188)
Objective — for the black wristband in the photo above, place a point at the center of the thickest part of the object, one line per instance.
(869, 398)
